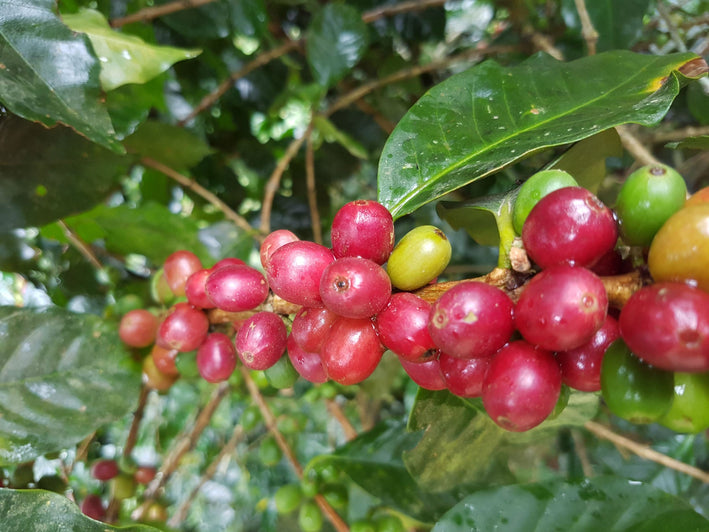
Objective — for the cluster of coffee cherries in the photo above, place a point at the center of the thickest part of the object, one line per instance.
(335, 310)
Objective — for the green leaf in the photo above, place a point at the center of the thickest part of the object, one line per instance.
(171, 145)
(485, 118)
(40, 510)
(373, 461)
(337, 40)
(457, 428)
(124, 58)
(62, 375)
(619, 24)
(331, 133)
(602, 503)
(50, 74)
(150, 230)
(700, 142)
(51, 173)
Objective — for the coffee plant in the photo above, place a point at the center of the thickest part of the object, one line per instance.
(365, 266)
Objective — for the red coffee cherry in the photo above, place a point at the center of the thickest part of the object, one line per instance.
(363, 228)
(138, 328)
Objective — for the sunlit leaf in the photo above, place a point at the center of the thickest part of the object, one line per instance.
(62, 375)
(489, 116)
(124, 58)
(49, 73)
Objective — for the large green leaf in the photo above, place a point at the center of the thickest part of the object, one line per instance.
(337, 40)
(489, 116)
(40, 511)
(49, 73)
(62, 375)
(124, 58)
(461, 443)
(611, 504)
(171, 145)
(46, 174)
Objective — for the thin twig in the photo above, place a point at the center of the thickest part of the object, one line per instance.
(588, 32)
(315, 221)
(679, 134)
(150, 13)
(271, 424)
(261, 60)
(336, 411)
(274, 180)
(132, 437)
(402, 7)
(671, 26)
(631, 143)
(644, 451)
(172, 460)
(198, 189)
(236, 436)
(81, 246)
(582, 453)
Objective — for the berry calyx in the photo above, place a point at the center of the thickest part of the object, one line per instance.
(354, 287)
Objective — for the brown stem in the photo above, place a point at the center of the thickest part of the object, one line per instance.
(137, 418)
(274, 180)
(402, 7)
(315, 221)
(172, 460)
(236, 436)
(336, 411)
(150, 13)
(630, 142)
(679, 134)
(81, 246)
(589, 33)
(271, 424)
(198, 189)
(644, 451)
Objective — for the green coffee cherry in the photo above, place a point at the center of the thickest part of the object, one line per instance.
(186, 364)
(282, 374)
(689, 412)
(421, 256)
(632, 389)
(335, 494)
(389, 523)
(250, 418)
(288, 498)
(534, 189)
(310, 517)
(269, 453)
(646, 200)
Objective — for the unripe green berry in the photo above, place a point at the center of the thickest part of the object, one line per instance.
(282, 374)
(419, 257)
(335, 494)
(689, 412)
(310, 517)
(534, 189)
(389, 523)
(269, 453)
(646, 200)
(287, 498)
(250, 418)
(122, 486)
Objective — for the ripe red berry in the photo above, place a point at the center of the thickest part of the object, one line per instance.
(471, 320)
(216, 358)
(463, 377)
(403, 326)
(426, 374)
(308, 364)
(561, 308)
(184, 329)
(261, 340)
(569, 226)
(92, 506)
(667, 325)
(144, 474)
(351, 351)
(104, 470)
(195, 289)
(178, 267)
(581, 367)
(355, 287)
(236, 288)
(164, 360)
(521, 386)
(310, 327)
(138, 328)
(273, 241)
(363, 228)
(295, 269)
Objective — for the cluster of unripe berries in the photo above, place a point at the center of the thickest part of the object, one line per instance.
(357, 299)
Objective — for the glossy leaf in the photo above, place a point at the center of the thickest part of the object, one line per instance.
(457, 428)
(124, 58)
(51, 173)
(612, 504)
(480, 120)
(62, 375)
(40, 510)
(373, 461)
(49, 73)
(171, 145)
(337, 40)
(150, 230)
